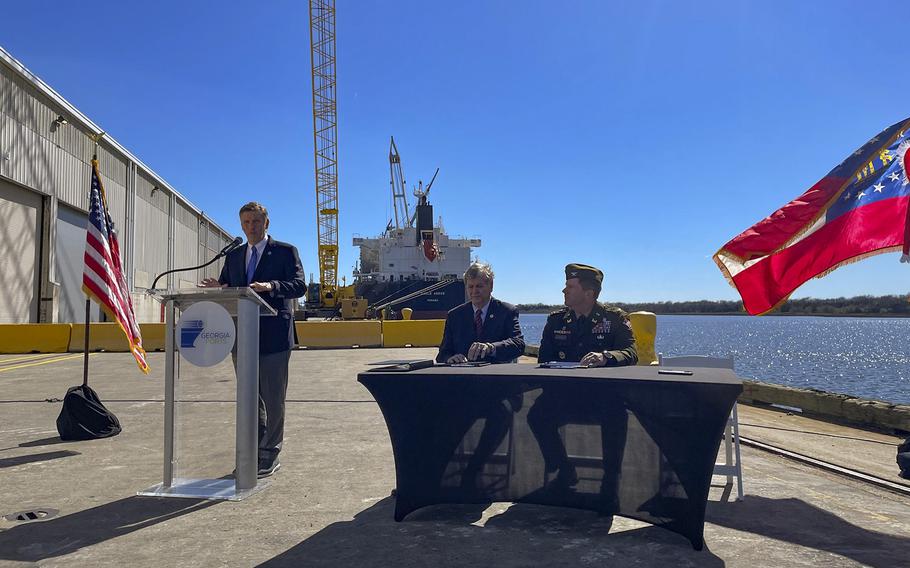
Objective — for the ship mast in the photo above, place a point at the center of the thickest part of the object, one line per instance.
(399, 199)
(421, 194)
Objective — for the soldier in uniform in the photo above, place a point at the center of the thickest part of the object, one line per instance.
(586, 330)
(595, 335)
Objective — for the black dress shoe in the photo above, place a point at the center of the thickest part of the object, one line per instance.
(268, 466)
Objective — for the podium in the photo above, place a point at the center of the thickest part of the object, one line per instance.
(246, 307)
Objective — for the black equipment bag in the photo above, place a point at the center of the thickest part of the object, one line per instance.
(84, 417)
(903, 458)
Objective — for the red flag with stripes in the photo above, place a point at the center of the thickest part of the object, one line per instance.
(102, 279)
(859, 209)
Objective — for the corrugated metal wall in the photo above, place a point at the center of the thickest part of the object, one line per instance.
(113, 178)
(53, 160)
(41, 154)
(211, 241)
(186, 251)
(152, 212)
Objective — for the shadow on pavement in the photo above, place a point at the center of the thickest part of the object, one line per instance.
(46, 456)
(37, 541)
(43, 442)
(798, 522)
(523, 535)
(35, 443)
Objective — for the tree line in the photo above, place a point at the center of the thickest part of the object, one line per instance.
(855, 306)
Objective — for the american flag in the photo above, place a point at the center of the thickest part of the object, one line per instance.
(859, 209)
(102, 279)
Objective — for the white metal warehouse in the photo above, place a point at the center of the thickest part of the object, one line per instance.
(45, 168)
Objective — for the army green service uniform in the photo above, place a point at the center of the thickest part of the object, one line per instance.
(567, 337)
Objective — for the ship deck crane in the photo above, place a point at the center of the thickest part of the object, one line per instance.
(399, 199)
(325, 146)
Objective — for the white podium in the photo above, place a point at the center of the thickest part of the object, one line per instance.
(246, 306)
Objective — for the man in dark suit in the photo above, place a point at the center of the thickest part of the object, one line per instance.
(483, 329)
(273, 270)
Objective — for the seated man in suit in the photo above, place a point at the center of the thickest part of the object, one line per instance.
(273, 270)
(484, 329)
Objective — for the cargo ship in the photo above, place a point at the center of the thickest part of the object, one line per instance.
(413, 263)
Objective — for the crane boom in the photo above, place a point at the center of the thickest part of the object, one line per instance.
(325, 144)
(399, 199)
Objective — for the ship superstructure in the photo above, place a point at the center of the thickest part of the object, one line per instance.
(412, 254)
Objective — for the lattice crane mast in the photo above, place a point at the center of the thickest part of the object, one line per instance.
(325, 144)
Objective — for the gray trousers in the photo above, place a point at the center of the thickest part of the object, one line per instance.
(273, 388)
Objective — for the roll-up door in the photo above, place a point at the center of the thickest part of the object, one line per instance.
(20, 212)
(68, 263)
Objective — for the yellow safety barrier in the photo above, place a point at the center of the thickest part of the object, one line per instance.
(644, 328)
(416, 333)
(152, 337)
(366, 333)
(106, 336)
(35, 337)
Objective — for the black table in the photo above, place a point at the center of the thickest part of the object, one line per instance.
(643, 444)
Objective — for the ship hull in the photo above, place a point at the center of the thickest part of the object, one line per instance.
(432, 305)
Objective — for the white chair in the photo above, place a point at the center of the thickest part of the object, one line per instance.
(730, 468)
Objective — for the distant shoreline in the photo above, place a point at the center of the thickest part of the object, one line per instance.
(857, 306)
(774, 314)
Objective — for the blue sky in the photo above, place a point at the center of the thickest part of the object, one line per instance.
(635, 136)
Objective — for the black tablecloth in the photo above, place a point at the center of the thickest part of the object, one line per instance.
(643, 444)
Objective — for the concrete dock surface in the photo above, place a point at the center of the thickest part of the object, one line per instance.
(330, 504)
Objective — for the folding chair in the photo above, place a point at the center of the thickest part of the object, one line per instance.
(729, 468)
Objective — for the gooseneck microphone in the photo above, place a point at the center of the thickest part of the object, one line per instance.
(230, 246)
(227, 249)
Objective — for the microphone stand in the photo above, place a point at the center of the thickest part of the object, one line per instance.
(236, 243)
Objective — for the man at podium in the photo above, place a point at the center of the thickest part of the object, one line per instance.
(274, 271)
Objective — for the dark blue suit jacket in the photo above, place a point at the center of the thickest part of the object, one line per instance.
(501, 328)
(280, 265)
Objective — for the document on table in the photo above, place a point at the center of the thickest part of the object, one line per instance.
(404, 365)
(562, 365)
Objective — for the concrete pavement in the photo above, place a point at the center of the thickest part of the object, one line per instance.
(330, 506)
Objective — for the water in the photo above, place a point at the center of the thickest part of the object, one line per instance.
(865, 357)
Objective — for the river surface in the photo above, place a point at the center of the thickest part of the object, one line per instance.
(865, 357)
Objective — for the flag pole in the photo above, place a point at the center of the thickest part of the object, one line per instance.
(88, 301)
(88, 306)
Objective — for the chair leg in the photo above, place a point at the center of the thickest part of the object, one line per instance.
(739, 465)
(728, 448)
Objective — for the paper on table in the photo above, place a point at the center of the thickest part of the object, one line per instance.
(562, 365)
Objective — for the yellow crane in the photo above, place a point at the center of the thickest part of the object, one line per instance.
(331, 299)
(325, 145)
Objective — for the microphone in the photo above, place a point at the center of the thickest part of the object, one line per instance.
(231, 246)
